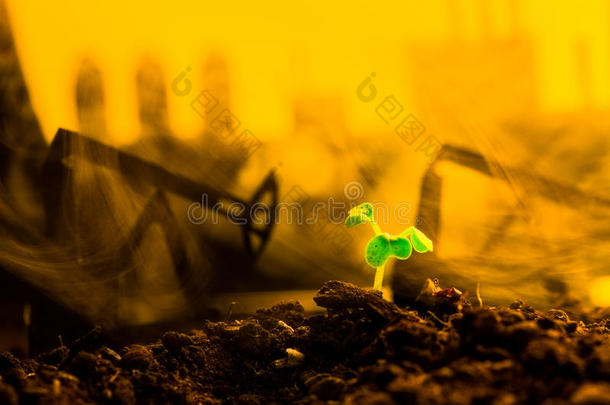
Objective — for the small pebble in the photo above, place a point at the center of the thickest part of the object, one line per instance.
(293, 358)
(328, 389)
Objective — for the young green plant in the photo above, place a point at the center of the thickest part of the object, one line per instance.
(382, 246)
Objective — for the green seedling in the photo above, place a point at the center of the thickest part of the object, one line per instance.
(382, 246)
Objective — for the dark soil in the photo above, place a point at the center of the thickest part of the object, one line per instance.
(364, 350)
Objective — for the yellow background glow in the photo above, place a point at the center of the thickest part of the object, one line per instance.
(276, 51)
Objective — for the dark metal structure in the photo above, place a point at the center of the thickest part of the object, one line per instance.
(409, 276)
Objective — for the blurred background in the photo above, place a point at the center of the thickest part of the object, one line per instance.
(484, 123)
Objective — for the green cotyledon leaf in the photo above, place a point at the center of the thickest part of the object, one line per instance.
(354, 220)
(378, 251)
(400, 247)
(421, 243)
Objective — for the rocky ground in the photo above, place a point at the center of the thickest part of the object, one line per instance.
(363, 350)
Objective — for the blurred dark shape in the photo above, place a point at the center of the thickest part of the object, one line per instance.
(373, 159)
(80, 200)
(95, 204)
(555, 285)
(136, 169)
(217, 157)
(216, 81)
(90, 101)
(27, 312)
(156, 142)
(579, 141)
(152, 99)
(225, 137)
(103, 266)
(409, 276)
(22, 145)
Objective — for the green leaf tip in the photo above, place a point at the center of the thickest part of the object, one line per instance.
(421, 243)
(359, 215)
(354, 220)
